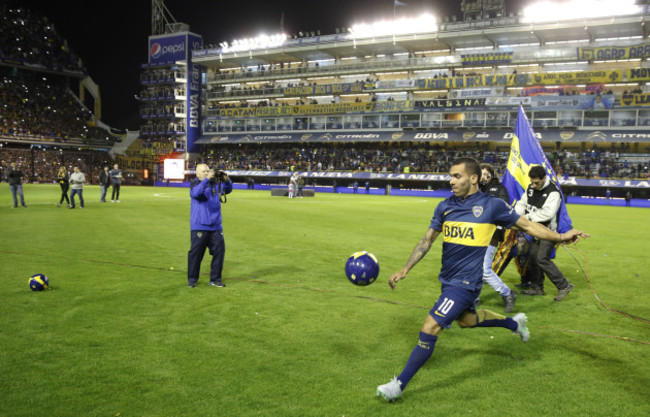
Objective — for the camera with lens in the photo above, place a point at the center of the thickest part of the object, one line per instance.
(219, 176)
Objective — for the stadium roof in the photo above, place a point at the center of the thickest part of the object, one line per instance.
(476, 34)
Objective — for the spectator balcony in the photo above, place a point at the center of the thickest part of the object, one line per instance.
(462, 118)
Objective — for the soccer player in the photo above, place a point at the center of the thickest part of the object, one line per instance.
(466, 221)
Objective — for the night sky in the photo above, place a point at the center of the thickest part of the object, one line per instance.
(111, 36)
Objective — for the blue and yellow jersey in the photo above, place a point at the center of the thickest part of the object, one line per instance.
(466, 227)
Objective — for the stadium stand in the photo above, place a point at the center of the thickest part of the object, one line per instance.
(401, 101)
(398, 158)
(28, 38)
(43, 124)
(435, 81)
(40, 106)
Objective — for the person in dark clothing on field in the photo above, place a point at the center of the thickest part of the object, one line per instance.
(15, 180)
(104, 182)
(64, 182)
(541, 203)
(116, 178)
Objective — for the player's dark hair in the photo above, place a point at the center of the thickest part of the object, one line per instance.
(489, 169)
(472, 166)
(537, 171)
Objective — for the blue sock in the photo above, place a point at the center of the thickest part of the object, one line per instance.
(508, 323)
(421, 353)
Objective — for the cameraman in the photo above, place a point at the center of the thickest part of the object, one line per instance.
(205, 223)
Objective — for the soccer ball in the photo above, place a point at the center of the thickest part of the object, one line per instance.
(39, 282)
(362, 268)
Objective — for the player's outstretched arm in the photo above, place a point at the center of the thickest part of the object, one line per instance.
(542, 232)
(418, 253)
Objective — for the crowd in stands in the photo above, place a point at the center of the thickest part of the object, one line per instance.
(304, 66)
(28, 38)
(395, 157)
(41, 164)
(239, 93)
(40, 105)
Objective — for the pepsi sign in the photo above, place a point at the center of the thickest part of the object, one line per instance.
(156, 51)
(164, 50)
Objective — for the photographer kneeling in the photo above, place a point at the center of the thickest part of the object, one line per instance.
(206, 231)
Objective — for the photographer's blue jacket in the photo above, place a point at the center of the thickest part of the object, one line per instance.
(205, 213)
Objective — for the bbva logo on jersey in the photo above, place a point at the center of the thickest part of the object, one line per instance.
(462, 232)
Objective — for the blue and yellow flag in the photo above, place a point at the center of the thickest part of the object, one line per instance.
(526, 151)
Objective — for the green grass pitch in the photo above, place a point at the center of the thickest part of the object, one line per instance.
(120, 334)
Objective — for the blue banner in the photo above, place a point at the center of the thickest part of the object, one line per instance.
(578, 102)
(440, 177)
(193, 102)
(433, 135)
(193, 107)
(525, 152)
(167, 49)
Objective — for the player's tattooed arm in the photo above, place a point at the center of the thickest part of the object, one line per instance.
(418, 253)
(421, 248)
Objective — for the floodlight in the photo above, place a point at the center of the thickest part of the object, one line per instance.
(549, 11)
(423, 24)
(260, 42)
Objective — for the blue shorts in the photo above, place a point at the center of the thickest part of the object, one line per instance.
(453, 302)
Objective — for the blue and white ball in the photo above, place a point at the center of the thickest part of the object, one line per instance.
(39, 282)
(362, 268)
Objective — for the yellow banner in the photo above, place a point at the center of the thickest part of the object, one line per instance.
(345, 88)
(386, 106)
(639, 74)
(312, 109)
(475, 81)
(584, 77)
(133, 164)
(298, 91)
(238, 112)
(489, 58)
(151, 151)
(547, 78)
(614, 52)
(635, 100)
